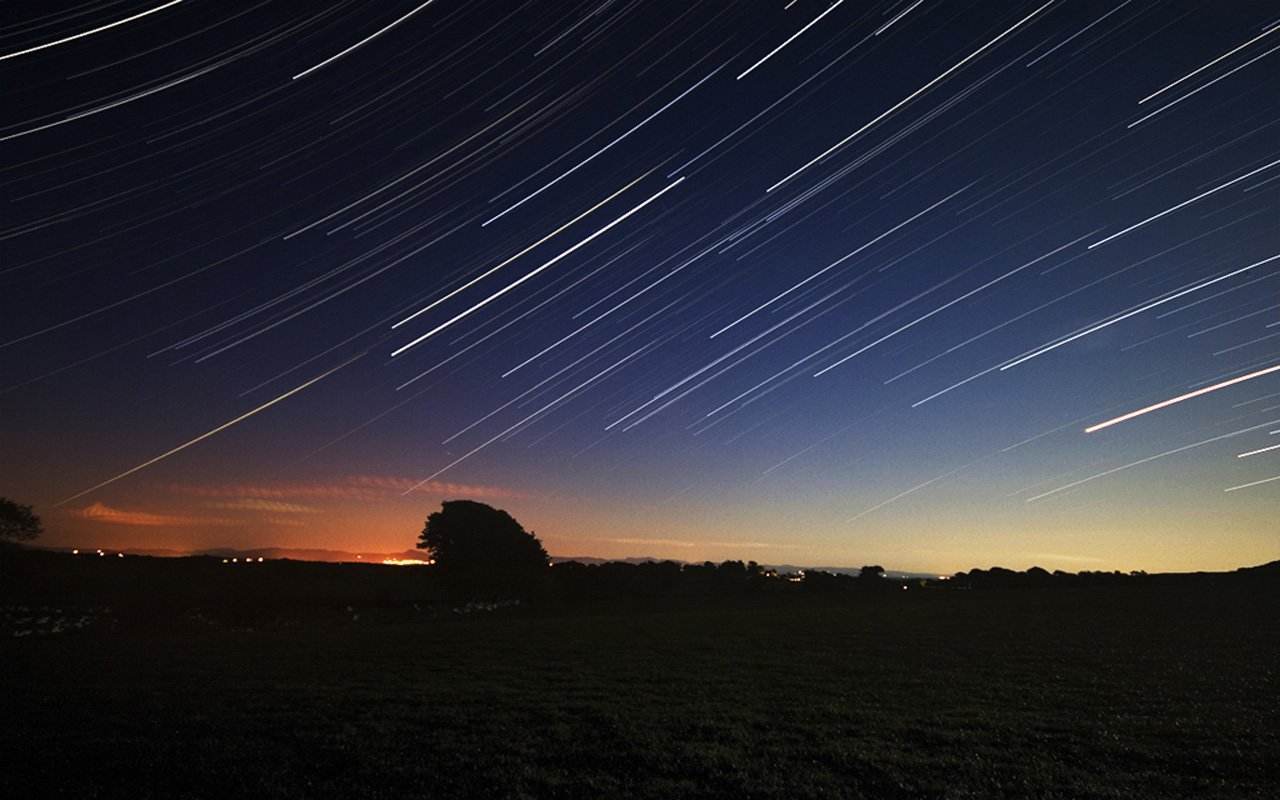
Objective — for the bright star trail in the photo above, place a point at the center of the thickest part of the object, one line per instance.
(1180, 398)
(846, 279)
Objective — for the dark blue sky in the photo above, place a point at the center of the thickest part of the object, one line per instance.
(804, 282)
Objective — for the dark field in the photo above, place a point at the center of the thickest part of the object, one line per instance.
(1159, 689)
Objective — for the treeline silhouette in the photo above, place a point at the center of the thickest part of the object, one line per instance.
(480, 559)
(197, 590)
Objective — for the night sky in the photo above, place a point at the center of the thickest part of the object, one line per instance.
(792, 281)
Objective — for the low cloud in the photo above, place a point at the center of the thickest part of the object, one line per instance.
(283, 522)
(260, 504)
(350, 487)
(100, 512)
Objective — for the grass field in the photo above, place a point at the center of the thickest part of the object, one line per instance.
(1115, 692)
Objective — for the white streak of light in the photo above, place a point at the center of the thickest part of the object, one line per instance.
(947, 305)
(555, 375)
(604, 314)
(117, 103)
(837, 262)
(1252, 483)
(83, 34)
(902, 14)
(479, 278)
(1148, 459)
(1041, 351)
(912, 490)
(1210, 64)
(207, 434)
(911, 96)
(1174, 400)
(1172, 209)
(558, 400)
(365, 40)
(1199, 89)
(531, 274)
(1259, 450)
(586, 160)
(1073, 36)
(792, 37)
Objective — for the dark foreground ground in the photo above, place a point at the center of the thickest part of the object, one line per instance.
(1105, 691)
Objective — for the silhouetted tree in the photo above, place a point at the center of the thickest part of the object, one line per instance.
(871, 572)
(17, 522)
(469, 537)
(732, 570)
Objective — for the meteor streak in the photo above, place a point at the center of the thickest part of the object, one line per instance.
(1174, 400)
(207, 434)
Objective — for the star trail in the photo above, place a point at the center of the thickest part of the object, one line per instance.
(925, 283)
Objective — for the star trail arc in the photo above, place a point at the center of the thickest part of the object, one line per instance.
(802, 257)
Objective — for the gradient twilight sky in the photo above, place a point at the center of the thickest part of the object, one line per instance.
(803, 282)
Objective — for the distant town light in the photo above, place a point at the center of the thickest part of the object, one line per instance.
(75, 552)
(259, 559)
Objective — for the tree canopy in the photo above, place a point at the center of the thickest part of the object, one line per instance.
(17, 522)
(465, 536)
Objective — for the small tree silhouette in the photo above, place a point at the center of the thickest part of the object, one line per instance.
(469, 537)
(17, 522)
